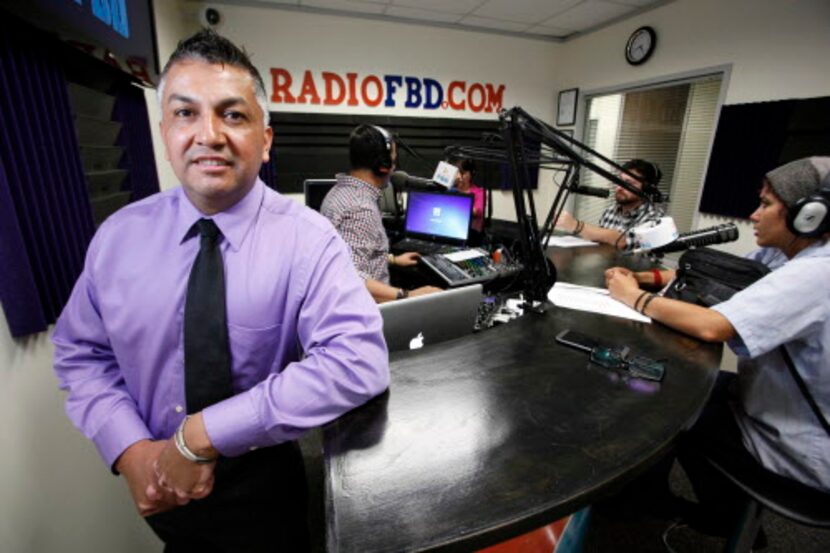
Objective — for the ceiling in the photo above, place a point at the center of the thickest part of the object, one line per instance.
(553, 20)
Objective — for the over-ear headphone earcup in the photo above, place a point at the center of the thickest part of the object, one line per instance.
(810, 216)
(383, 162)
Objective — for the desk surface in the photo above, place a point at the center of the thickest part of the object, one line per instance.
(490, 436)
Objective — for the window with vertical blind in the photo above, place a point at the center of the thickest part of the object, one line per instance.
(671, 125)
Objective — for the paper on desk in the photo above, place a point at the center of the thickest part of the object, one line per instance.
(596, 300)
(566, 241)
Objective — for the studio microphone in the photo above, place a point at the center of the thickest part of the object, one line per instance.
(591, 191)
(718, 234)
(402, 179)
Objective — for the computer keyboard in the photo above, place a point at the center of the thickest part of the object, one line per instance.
(421, 246)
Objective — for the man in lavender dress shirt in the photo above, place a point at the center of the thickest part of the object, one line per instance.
(305, 336)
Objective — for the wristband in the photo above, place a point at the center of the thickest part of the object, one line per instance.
(402, 293)
(637, 301)
(645, 303)
(391, 258)
(578, 228)
(178, 439)
(658, 278)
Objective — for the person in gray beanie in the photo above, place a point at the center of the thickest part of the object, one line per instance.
(759, 416)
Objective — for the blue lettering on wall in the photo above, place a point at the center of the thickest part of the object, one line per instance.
(392, 84)
(413, 92)
(433, 93)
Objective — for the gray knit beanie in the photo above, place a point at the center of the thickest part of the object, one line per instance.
(800, 178)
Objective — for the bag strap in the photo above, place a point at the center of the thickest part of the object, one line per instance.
(803, 387)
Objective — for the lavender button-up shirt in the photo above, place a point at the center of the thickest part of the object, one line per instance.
(305, 336)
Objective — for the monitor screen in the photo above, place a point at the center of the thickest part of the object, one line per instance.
(439, 214)
(118, 32)
(315, 191)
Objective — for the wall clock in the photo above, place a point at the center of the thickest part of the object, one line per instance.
(640, 45)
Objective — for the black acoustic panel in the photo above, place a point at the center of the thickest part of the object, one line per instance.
(753, 138)
(316, 146)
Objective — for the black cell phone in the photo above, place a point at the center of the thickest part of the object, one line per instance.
(577, 340)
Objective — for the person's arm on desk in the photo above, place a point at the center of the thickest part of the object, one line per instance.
(383, 292)
(654, 278)
(569, 223)
(694, 320)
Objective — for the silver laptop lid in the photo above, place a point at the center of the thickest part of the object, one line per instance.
(418, 322)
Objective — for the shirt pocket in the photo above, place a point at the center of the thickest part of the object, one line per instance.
(255, 353)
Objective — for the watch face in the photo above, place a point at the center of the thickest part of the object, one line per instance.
(640, 45)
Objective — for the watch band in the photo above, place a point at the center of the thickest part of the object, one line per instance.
(402, 293)
(178, 439)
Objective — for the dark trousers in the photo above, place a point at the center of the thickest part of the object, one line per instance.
(716, 435)
(259, 503)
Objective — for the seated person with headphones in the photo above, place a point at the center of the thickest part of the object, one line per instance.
(352, 207)
(628, 210)
(767, 419)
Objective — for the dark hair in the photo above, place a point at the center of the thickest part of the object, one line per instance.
(370, 148)
(209, 46)
(647, 170)
(464, 164)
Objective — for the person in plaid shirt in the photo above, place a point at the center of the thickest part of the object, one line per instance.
(352, 207)
(628, 210)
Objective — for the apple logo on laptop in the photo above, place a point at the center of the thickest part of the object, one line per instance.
(417, 342)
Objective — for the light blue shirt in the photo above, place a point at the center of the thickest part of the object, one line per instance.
(305, 335)
(791, 306)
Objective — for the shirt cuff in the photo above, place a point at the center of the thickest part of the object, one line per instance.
(121, 430)
(233, 426)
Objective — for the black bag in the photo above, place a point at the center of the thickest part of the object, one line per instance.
(707, 277)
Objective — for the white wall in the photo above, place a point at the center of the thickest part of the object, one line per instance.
(777, 50)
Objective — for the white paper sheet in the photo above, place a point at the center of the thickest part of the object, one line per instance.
(566, 241)
(596, 300)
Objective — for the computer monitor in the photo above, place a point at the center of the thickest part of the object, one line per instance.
(315, 191)
(439, 216)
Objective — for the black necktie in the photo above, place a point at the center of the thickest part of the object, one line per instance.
(207, 357)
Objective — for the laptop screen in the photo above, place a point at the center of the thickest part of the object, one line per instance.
(439, 215)
(315, 191)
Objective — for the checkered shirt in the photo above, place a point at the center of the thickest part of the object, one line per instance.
(352, 207)
(615, 218)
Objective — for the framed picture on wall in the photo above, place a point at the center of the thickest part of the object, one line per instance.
(566, 112)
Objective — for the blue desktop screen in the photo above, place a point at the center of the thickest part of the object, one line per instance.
(439, 214)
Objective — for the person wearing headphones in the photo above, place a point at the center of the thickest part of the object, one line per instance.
(628, 210)
(761, 415)
(352, 207)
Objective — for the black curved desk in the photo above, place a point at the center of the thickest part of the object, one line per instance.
(487, 437)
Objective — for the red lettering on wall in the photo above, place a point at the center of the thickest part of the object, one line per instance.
(280, 83)
(476, 104)
(455, 85)
(332, 79)
(364, 91)
(308, 92)
(494, 98)
(352, 78)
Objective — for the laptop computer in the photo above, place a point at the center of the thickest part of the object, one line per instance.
(435, 220)
(315, 191)
(413, 323)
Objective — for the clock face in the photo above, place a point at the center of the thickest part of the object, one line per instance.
(640, 45)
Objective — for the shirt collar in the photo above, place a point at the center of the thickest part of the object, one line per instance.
(234, 222)
(360, 184)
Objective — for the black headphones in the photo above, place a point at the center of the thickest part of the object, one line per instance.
(650, 187)
(810, 216)
(382, 163)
